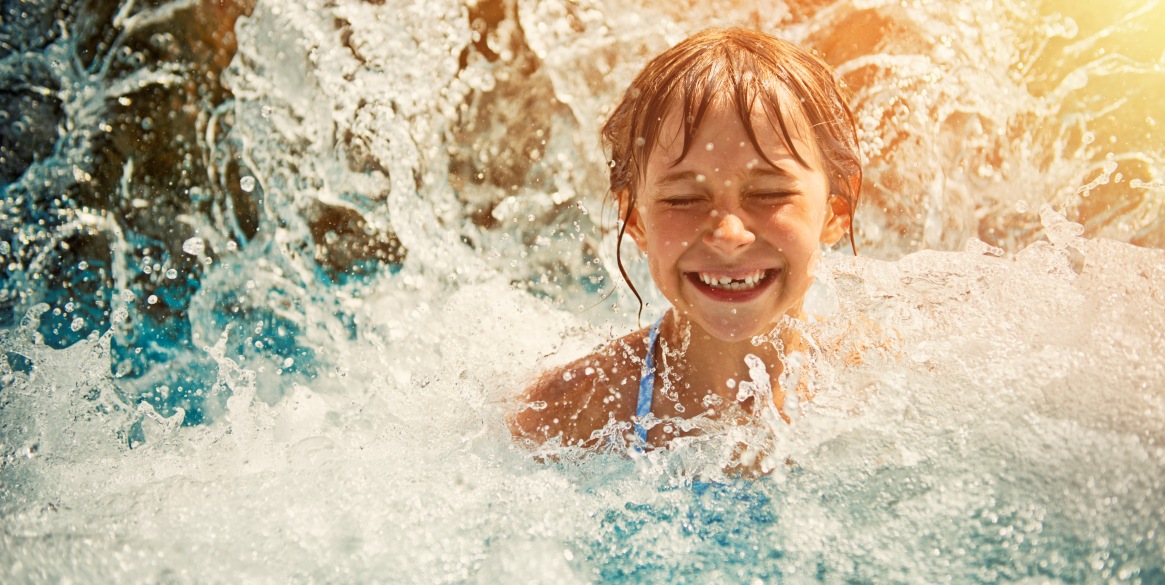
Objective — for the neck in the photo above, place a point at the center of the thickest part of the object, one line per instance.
(708, 365)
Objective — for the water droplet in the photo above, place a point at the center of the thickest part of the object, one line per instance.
(194, 246)
(247, 184)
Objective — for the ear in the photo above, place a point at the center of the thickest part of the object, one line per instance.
(838, 217)
(634, 226)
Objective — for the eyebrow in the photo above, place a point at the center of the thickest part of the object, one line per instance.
(765, 171)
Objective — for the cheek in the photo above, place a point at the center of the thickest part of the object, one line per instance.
(795, 230)
(672, 236)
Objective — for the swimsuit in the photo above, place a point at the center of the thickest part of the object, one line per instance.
(646, 386)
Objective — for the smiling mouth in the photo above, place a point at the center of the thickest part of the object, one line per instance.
(736, 283)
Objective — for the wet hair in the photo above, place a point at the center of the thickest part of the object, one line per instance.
(793, 88)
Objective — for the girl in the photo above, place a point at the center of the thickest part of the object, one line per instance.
(734, 157)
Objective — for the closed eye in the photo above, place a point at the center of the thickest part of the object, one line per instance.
(681, 200)
(771, 196)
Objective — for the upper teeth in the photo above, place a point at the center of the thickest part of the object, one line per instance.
(745, 282)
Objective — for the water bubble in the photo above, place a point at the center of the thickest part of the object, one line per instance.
(194, 246)
(4, 247)
(77, 324)
(266, 111)
(171, 274)
(127, 296)
(152, 299)
(287, 363)
(119, 315)
(247, 184)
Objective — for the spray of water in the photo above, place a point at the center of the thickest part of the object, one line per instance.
(273, 333)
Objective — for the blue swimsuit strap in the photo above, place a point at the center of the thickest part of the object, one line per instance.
(646, 384)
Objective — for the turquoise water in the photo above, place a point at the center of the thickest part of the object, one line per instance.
(273, 275)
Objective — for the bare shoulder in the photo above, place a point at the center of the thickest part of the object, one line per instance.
(575, 400)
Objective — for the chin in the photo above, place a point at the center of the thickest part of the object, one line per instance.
(732, 330)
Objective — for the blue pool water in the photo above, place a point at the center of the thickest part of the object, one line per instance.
(273, 275)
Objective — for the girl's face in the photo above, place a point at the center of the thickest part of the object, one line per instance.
(730, 239)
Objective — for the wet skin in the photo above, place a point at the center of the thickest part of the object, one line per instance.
(723, 212)
(730, 241)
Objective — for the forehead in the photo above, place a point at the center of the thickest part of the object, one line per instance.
(764, 131)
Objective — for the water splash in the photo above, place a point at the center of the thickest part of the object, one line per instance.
(309, 293)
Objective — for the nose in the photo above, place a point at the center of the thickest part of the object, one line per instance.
(729, 234)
